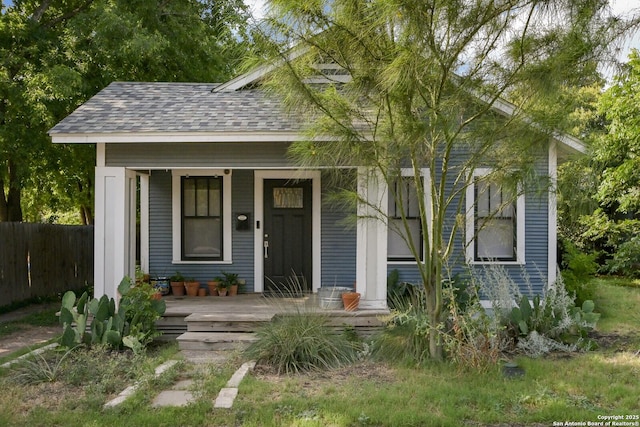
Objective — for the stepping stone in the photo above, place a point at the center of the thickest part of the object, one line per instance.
(173, 398)
(182, 385)
(225, 398)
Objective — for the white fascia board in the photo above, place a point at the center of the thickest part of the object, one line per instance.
(510, 110)
(571, 142)
(158, 137)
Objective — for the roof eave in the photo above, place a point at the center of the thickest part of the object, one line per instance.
(159, 137)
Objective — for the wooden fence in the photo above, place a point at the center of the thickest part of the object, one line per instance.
(41, 260)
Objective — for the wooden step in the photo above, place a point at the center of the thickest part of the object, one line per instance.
(215, 340)
(171, 327)
(227, 322)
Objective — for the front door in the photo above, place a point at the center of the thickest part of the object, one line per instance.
(287, 235)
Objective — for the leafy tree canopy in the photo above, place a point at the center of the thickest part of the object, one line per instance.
(617, 153)
(55, 55)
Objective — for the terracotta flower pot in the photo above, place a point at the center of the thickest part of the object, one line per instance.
(177, 288)
(202, 292)
(351, 300)
(233, 290)
(222, 292)
(192, 288)
(213, 287)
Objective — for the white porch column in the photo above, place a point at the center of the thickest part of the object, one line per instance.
(553, 215)
(144, 222)
(371, 251)
(115, 216)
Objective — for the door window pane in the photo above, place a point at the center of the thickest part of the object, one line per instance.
(288, 198)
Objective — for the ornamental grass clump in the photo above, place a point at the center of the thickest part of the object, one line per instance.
(300, 339)
(301, 342)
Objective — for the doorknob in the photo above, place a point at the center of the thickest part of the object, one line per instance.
(266, 249)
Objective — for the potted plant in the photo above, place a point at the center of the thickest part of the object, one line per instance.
(222, 288)
(213, 285)
(351, 299)
(231, 281)
(192, 286)
(177, 284)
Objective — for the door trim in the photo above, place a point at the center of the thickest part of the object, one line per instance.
(316, 244)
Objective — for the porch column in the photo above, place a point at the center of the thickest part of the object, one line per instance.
(144, 222)
(115, 218)
(371, 251)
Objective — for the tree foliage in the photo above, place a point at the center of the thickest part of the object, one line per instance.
(617, 153)
(602, 203)
(55, 55)
(426, 82)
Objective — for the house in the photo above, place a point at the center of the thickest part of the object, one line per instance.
(217, 192)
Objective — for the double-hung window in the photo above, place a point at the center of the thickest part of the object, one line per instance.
(495, 222)
(201, 216)
(404, 208)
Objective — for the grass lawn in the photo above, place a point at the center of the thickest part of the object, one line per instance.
(577, 388)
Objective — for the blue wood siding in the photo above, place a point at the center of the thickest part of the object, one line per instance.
(338, 240)
(195, 154)
(160, 231)
(338, 246)
(530, 277)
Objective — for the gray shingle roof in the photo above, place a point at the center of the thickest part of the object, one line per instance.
(175, 107)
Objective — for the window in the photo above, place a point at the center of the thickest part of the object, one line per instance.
(404, 204)
(495, 222)
(201, 216)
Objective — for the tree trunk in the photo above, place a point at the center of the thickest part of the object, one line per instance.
(434, 310)
(4, 215)
(86, 215)
(14, 196)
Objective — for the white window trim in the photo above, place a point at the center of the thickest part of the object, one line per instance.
(176, 213)
(426, 183)
(470, 225)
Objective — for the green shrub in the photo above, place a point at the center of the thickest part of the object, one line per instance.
(577, 270)
(626, 260)
(300, 342)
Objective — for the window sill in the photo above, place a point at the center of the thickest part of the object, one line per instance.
(402, 262)
(496, 263)
(181, 262)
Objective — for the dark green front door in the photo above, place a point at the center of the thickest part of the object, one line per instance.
(287, 234)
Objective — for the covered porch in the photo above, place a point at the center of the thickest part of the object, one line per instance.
(152, 197)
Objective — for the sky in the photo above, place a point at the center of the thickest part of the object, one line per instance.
(258, 10)
(619, 6)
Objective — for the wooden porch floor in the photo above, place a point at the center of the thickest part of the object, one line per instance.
(254, 308)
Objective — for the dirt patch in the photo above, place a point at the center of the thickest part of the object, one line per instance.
(314, 382)
(615, 341)
(27, 336)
